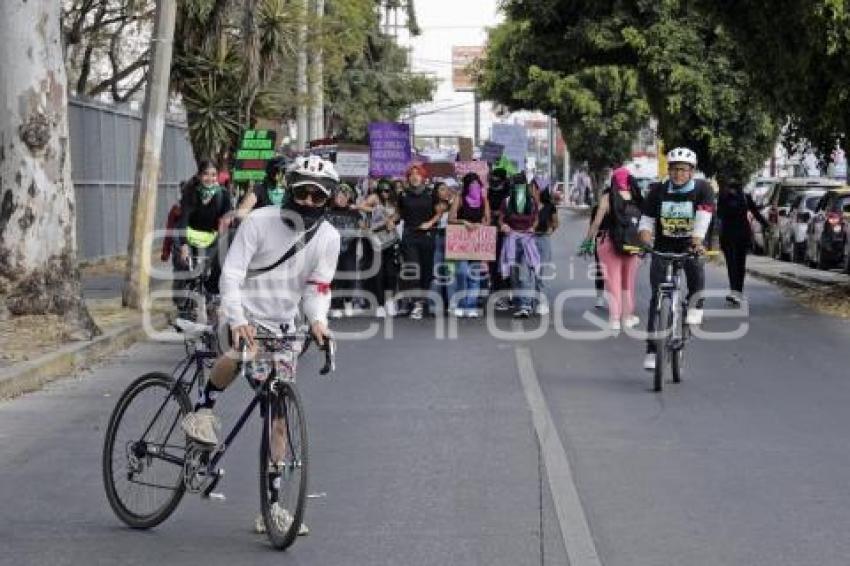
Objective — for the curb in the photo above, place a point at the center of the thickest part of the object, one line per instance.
(32, 375)
(785, 280)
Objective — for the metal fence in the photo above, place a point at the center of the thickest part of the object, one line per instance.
(104, 149)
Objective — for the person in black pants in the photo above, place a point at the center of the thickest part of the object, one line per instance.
(499, 190)
(416, 210)
(736, 234)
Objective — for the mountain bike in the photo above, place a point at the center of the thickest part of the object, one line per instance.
(149, 464)
(671, 329)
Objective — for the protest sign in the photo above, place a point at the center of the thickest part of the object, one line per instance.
(515, 140)
(256, 149)
(389, 149)
(491, 151)
(476, 245)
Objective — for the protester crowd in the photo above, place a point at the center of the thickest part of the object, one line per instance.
(393, 259)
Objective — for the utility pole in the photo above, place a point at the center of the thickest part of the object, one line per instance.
(317, 90)
(137, 279)
(301, 78)
(477, 102)
(551, 149)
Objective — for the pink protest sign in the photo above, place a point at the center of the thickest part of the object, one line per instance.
(480, 167)
(476, 245)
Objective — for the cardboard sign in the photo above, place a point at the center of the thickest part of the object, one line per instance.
(480, 167)
(465, 148)
(475, 245)
(256, 149)
(463, 58)
(389, 149)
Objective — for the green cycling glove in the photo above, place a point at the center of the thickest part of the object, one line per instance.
(587, 247)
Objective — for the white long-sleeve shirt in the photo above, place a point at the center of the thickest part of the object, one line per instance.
(274, 296)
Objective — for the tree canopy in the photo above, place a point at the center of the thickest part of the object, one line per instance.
(687, 68)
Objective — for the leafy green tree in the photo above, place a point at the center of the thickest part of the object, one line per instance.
(689, 70)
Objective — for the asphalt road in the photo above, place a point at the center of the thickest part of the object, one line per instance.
(424, 450)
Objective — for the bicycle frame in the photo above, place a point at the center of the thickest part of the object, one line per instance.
(671, 288)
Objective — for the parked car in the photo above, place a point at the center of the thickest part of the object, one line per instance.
(793, 228)
(776, 205)
(759, 188)
(827, 231)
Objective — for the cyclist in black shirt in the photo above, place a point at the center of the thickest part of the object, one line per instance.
(678, 213)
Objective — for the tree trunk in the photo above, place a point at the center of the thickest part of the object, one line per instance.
(38, 252)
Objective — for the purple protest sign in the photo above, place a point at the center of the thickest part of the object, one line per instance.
(389, 149)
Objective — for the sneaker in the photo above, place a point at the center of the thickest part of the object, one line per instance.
(631, 321)
(472, 313)
(694, 317)
(503, 304)
(282, 518)
(523, 312)
(600, 303)
(201, 426)
(348, 310)
(458, 312)
(542, 309)
(380, 312)
(417, 312)
(649, 361)
(735, 299)
(335, 313)
(615, 326)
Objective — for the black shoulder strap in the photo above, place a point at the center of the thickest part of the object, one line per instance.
(297, 246)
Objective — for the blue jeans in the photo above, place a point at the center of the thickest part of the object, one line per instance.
(544, 247)
(467, 280)
(523, 280)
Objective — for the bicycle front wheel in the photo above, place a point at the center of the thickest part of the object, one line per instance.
(144, 450)
(283, 466)
(664, 320)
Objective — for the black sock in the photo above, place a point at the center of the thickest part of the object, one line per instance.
(208, 395)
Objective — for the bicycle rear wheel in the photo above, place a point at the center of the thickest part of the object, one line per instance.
(144, 449)
(283, 466)
(662, 350)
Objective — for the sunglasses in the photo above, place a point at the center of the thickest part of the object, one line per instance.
(679, 169)
(310, 192)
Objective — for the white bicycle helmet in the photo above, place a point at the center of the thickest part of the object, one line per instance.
(313, 170)
(682, 155)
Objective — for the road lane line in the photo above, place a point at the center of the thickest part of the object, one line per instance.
(581, 550)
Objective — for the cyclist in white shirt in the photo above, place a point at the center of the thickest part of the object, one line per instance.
(256, 290)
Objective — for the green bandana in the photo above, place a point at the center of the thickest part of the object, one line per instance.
(276, 195)
(519, 197)
(207, 193)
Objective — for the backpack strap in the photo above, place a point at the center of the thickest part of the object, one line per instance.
(299, 244)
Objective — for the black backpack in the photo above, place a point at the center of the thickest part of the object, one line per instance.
(625, 218)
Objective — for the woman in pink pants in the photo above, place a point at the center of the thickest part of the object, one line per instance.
(618, 269)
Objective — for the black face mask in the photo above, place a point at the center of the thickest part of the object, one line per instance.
(309, 214)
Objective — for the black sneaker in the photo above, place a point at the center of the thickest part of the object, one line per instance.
(523, 312)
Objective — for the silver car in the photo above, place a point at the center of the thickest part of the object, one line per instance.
(792, 228)
(777, 203)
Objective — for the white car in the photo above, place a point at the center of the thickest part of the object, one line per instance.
(792, 228)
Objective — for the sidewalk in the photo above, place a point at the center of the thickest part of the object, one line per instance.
(824, 291)
(794, 274)
(36, 349)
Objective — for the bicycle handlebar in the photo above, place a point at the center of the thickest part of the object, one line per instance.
(670, 255)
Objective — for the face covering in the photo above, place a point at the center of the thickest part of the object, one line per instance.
(520, 197)
(207, 192)
(473, 195)
(276, 195)
(309, 214)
